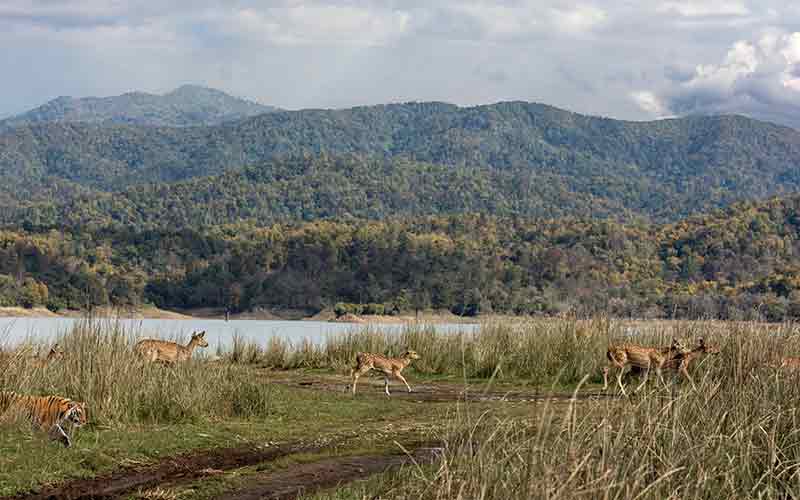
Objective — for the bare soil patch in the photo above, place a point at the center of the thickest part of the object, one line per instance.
(282, 484)
(425, 317)
(327, 473)
(21, 312)
(101, 312)
(171, 470)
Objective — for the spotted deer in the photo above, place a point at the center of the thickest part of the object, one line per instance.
(169, 352)
(56, 352)
(642, 358)
(366, 361)
(681, 361)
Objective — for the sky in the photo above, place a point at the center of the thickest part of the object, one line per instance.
(637, 59)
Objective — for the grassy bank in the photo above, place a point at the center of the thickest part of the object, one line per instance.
(139, 413)
(735, 437)
(101, 368)
(543, 352)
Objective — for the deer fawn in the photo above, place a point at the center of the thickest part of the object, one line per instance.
(56, 352)
(643, 358)
(366, 361)
(169, 352)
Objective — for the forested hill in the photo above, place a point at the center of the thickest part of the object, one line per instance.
(662, 170)
(188, 105)
(320, 187)
(738, 263)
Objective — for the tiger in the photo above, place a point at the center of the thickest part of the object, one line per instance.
(47, 413)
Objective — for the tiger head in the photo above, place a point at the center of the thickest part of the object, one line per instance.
(76, 413)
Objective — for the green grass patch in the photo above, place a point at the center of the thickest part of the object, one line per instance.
(28, 459)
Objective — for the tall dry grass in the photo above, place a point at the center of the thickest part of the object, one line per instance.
(101, 369)
(543, 351)
(737, 436)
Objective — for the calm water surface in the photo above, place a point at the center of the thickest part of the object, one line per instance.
(218, 332)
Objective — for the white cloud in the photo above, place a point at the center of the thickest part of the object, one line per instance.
(760, 79)
(705, 8)
(649, 102)
(579, 19)
(624, 59)
(317, 24)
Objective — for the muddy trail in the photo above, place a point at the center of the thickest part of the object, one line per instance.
(177, 469)
(308, 478)
(282, 484)
(427, 391)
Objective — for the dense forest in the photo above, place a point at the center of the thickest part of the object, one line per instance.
(540, 161)
(322, 187)
(513, 208)
(741, 262)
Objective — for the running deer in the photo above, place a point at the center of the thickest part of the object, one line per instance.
(642, 358)
(366, 361)
(681, 361)
(169, 352)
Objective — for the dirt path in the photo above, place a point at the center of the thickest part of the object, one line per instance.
(282, 484)
(176, 469)
(429, 391)
(308, 478)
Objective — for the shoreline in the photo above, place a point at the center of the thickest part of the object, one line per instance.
(216, 314)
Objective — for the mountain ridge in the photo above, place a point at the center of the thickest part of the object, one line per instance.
(187, 105)
(662, 170)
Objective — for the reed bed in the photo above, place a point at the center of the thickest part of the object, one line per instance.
(542, 351)
(101, 369)
(737, 436)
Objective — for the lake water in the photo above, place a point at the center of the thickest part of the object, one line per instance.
(218, 332)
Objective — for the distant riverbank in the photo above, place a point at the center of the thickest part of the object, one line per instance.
(41, 312)
(258, 315)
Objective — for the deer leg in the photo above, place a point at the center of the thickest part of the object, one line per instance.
(644, 380)
(685, 373)
(619, 380)
(357, 373)
(605, 378)
(660, 376)
(386, 384)
(400, 376)
(633, 372)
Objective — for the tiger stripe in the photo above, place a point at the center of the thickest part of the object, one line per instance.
(47, 413)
